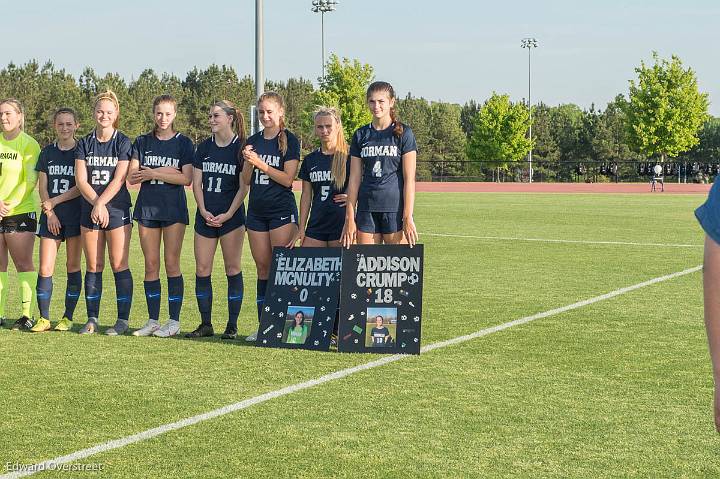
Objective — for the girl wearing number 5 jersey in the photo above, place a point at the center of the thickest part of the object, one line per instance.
(161, 162)
(220, 218)
(272, 156)
(383, 158)
(101, 168)
(60, 219)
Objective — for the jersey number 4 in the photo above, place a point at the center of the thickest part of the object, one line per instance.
(217, 181)
(60, 186)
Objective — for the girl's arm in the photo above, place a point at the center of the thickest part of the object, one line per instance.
(234, 206)
(285, 177)
(197, 187)
(409, 162)
(305, 201)
(711, 284)
(132, 176)
(81, 181)
(350, 229)
(115, 184)
(166, 174)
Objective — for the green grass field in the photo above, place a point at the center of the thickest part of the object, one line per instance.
(618, 388)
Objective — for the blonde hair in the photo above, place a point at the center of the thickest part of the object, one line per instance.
(110, 96)
(278, 99)
(338, 171)
(17, 106)
(238, 121)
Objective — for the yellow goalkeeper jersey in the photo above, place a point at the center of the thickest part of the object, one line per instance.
(17, 173)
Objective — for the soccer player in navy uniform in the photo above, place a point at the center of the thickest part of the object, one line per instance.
(59, 220)
(220, 217)
(379, 334)
(161, 163)
(324, 180)
(381, 188)
(101, 166)
(272, 156)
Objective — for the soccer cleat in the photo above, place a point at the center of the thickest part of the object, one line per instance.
(90, 327)
(230, 333)
(171, 328)
(118, 329)
(150, 327)
(41, 326)
(252, 338)
(202, 331)
(22, 324)
(64, 324)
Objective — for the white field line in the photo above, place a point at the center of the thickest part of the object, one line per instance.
(54, 464)
(550, 240)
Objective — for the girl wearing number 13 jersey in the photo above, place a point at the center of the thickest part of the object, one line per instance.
(101, 167)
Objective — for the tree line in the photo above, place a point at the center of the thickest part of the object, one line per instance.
(480, 141)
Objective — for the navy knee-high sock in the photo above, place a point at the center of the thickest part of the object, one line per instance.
(235, 297)
(152, 295)
(44, 290)
(176, 290)
(261, 287)
(72, 293)
(204, 295)
(124, 293)
(93, 293)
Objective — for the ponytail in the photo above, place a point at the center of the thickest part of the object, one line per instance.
(110, 96)
(338, 170)
(238, 122)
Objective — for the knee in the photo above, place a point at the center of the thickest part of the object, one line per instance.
(232, 269)
(203, 270)
(152, 265)
(47, 270)
(24, 265)
(117, 266)
(172, 270)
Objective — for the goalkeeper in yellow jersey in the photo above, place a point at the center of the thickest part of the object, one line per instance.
(18, 208)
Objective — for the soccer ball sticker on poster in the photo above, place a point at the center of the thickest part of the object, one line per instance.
(381, 303)
(301, 299)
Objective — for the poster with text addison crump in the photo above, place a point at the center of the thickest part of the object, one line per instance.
(301, 299)
(381, 299)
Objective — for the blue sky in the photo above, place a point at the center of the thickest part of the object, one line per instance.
(450, 51)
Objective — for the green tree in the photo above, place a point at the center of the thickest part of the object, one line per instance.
(447, 140)
(499, 132)
(416, 113)
(665, 109)
(344, 86)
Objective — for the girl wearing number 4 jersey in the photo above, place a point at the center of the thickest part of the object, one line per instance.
(101, 168)
(161, 162)
(59, 220)
(272, 156)
(383, 157)
(219, 193)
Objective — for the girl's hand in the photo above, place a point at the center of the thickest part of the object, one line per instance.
(99, 215)
(299, 238)
(409, 231)
(53, 223)
(217, 221)
(4, 210)
(349, 233)
(252, 157)
(340, 198)
(143, 174)
(47, 206)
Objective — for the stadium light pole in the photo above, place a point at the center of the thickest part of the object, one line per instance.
(529, 43)
(322, 6)
(259, 62)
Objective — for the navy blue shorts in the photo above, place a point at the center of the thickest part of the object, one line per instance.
(376, 222)
(157, 223)
(324, 235)
(118, 217)
(237, 221)
(267, 223)
(66, 231)
(708, 214)
(20, 223)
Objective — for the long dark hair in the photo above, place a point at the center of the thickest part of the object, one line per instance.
(386, 87)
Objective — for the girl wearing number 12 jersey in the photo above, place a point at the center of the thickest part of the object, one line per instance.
(101, 167)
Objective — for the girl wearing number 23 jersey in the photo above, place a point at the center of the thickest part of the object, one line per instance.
(101, 168)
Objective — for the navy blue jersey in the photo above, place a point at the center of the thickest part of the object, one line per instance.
(220, 173)
(101, 159)
(59, 166)
(267, 197)
(325, 214)
(381, 152)
(158, 200)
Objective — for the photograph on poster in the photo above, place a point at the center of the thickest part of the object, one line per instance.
(298, 322)
(380, 331)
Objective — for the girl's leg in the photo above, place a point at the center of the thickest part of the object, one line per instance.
(394, 238)
(48, 254)
(369, 238)
(3, 276)
(118, 240)
(173, 237)
(204, 256)
(313, 243)
(150, 245)
(261, 250)
(93, 243)
(232, 244)
(21, 246)
(73, 251)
